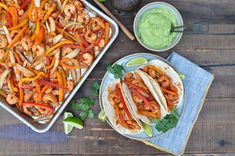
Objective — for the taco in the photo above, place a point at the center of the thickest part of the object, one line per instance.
(142, 97)
(166, 82)
(118, 110)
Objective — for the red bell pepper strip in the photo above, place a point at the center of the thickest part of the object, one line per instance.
(122, 120)
(44, 106)
(123, 101)
(24, 4)
(43, 82)
(73, 46)
(134, 86)
(8, 20)
(143, 98)
(83, 41)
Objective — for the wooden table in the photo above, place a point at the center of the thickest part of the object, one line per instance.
(214, 132)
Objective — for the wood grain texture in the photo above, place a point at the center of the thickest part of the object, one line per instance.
(214, 132)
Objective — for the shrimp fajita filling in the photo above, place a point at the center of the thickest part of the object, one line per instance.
(124, 117)
(168, 89)
(142, 97)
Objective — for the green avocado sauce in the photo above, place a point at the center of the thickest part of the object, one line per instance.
(154, 28)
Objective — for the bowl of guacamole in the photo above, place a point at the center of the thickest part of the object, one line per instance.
(153, 23)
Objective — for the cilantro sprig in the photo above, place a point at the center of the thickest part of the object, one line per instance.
(168, 122)
(117, 70)
(85, 104)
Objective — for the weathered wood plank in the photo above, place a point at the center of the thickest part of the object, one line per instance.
(214, 131)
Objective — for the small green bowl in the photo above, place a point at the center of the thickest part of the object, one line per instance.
(170, 8)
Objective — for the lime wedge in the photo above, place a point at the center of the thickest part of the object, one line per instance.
(102, 115)
(102, 1)
(148, 129)
(74, 121)
(67, 128)
(137, 61)
(181, 75)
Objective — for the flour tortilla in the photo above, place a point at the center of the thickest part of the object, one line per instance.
(110, 112)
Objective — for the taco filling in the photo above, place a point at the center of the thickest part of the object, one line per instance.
(142, 97)
(124, 117)
(169, 90)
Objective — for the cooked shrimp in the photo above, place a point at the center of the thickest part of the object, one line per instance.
(26, 110)
(97, 23)
(49, 4)
(39, 49)
(129, 77)
(70, 85)
(55, 92)
(152, 73)
(66, 50)
(26, 43)
(18, 47)
(114, 98)
(13, 33)
(90, 36)
(79, 6)
(102, 43)
(3, 41)
(83, 19)
(50, 98)
(12, 99)
(87, 58)
(2, 53)
(164, 81)
(69, 10)
(28, 96)
(49, 90)
(44, 111)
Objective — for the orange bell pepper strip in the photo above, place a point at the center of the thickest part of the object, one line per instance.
(12, 86)
(48, 13)
(60, 82)
(107, 31)
(20, 84)
(23, 17)
(32, 12)
(17, 58)
(63, 76)
(4, 6)
(17, 37)
(3, 93)
(14, 15)
(62, 62)
(44, 89)
(58, 45)
(40, 36)
(169, 92)
(21, 98)
(23, 23)
(100, 38)
(8, 20)
(35, 34)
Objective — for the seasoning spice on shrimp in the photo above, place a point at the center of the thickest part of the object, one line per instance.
(42, 52)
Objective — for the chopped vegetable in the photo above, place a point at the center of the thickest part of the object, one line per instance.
(116, 70)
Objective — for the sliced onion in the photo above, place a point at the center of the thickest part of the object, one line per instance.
(52, 24)
(59, 3)
(9, 39)
(57, 58)
(24, 70)
(3, 77)
(72, 54)
(40, 66)
(12, 57)
(47, 26)
(73, 75)
(18, 76)
(57, 38)
(63, 5)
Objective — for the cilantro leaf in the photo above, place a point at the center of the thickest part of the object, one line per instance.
(116, 69)
(83, 115)
(76, 106)
(91, 114)
(95, 89)
(168, 122)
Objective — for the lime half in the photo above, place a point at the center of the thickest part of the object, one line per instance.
(137, 61)
(148, 129)
(74, 121)
(102, 115)
(67, 128)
